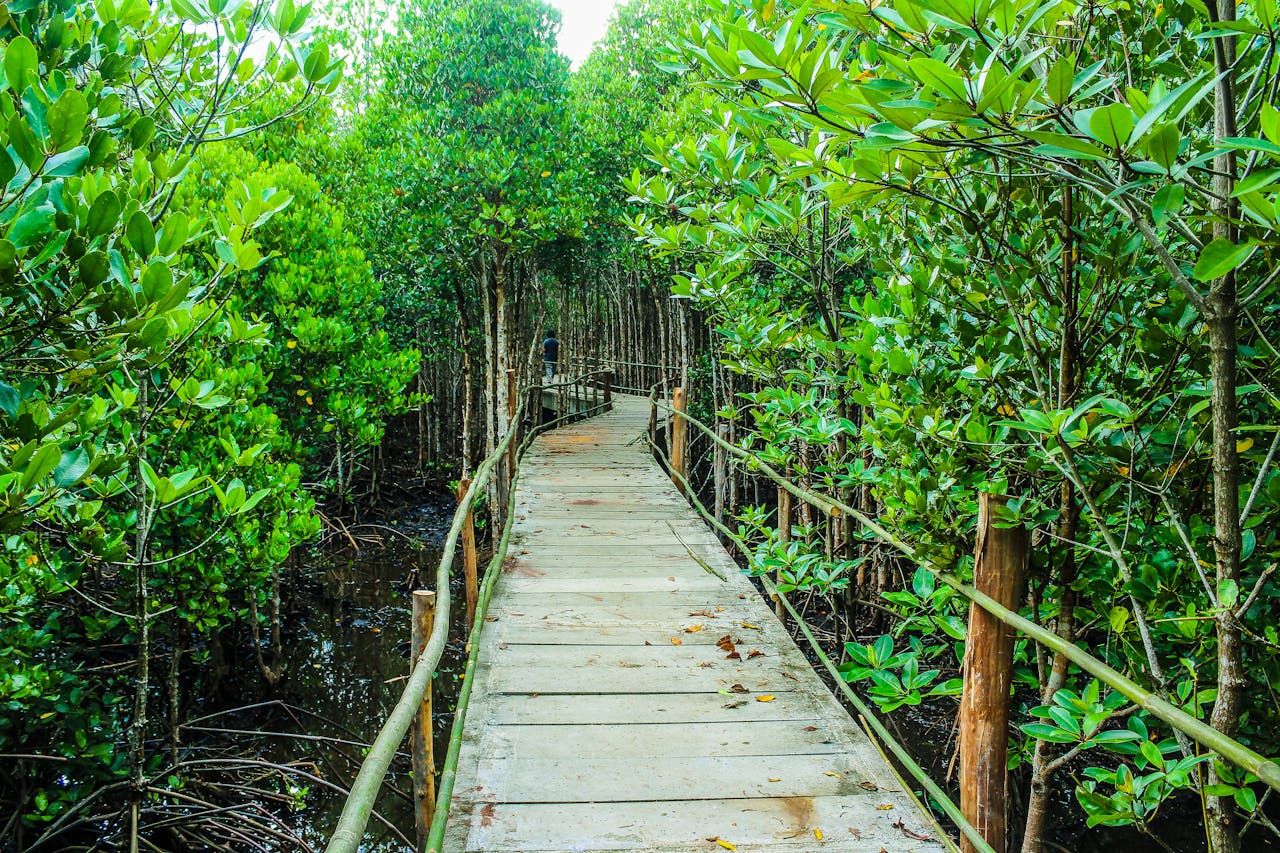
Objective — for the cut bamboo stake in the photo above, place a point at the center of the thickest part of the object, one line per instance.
(469, 560)
(1000, 565)
(513, 425)
(784, 538)
(720, 467)
(679, 431)
(424, 765)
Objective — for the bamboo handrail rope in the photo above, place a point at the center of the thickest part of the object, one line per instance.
(1265, 769)
(368, 782)
(939, 796)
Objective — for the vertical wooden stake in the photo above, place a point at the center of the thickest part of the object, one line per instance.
(1000, 566)
(608, 390)
(424, 764)
(720, 469)
(653, 422)
(469, 560)
(679, 429)
(784, 536)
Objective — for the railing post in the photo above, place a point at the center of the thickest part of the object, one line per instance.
(608, 390)
(653, 420)
(424, 765)
(679, 430)
(469, 560)
(1000, 564)
(784, 539)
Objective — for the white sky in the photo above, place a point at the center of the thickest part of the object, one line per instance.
(585, 21)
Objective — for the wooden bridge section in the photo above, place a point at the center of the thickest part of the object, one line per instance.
(634, 692)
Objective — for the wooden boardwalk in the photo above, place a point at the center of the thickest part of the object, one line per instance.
(608, 713)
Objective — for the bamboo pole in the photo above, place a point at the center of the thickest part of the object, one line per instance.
(720, 468)
(679, 434)
(424, 763)
(469, 560)
(1267, 770)
(1000, 562)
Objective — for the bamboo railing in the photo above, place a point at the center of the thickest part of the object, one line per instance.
(364, 791)
(1265, 769)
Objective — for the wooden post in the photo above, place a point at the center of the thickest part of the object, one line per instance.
(784, 537)
(720, 469)
(1000, 565)
(679, 429)
(469, 559)
(608, 390)
(653, 422)
(424, 764)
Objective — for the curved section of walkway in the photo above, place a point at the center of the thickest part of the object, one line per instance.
(634, 692)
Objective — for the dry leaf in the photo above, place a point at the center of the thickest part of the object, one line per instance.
(727, 845)
(737, 704)
(775, 778)
(755, 653)
(733, 656)
(884, 807)
(769, 698)
(725, 643)
(719, 609)
(869, 786)
(738, 688)
(817, 833)
(856, 833)
(810, 728)
(749, 625)
(835, 774)
(692, 628)
(911, 833)
(491, 618)
(503, 646)
(647, 643)
(676, 641)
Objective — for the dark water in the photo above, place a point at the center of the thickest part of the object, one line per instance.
(347, 651)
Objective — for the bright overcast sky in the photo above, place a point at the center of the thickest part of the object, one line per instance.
(584, 22)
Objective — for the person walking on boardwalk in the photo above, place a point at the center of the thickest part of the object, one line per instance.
(550, 353)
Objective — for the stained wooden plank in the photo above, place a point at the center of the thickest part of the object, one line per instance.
(600, 722)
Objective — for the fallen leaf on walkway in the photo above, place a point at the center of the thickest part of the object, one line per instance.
(706, 613)
(856, 833)
(835, 774)
(884, 807)
(737, 704)
(755, 653)
(869, 786)
(727, 845)
(769, 698)
(647, 643)
(676, 641)
(775, 778)
(725, 643)
(789, 675)
(810, 728)
(733, 656)
(738, 688)
(693, 629)
(749, 625)
(491, 618)
(503, 646)
(817, 833)
(911, 833)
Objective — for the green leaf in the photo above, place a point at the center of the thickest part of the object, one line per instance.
(67, 164)
(1220, 257)
(140, 234)
(20, 59)
(1061, 79)
(1111, 125)
(1164, 144)
(1053, 734)
(41, 464)
(66, 118)
(103, 214)
(1228, 592)
(1167, 203)
(1247, 800)
(900, 362)
(9, 399)
(940, 77)
(74, 465)
(1258, 180)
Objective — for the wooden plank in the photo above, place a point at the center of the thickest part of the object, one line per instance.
(620, 780)
(626, 708)
(850, 822)
(660, 740)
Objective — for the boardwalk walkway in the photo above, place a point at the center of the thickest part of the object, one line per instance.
(605, 714)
